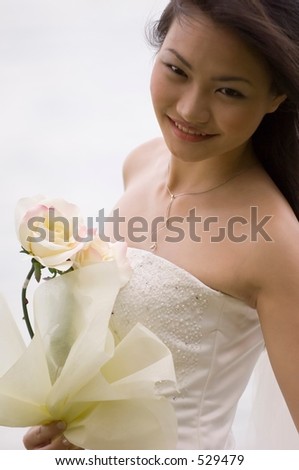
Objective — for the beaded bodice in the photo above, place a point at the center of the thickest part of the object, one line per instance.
(215, 340)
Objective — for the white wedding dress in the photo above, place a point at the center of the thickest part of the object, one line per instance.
(215, 340)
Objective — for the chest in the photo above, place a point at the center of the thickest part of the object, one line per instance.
(191, 232)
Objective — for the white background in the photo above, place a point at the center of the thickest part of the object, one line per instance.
(74, 100)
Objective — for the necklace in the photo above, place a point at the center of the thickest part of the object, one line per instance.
(174, 196)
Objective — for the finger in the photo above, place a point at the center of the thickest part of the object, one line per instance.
(61, 443)
(38, 437)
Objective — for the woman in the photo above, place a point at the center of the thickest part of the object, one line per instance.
(211, 211)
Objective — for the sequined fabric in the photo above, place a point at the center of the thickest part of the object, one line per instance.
(215, 340)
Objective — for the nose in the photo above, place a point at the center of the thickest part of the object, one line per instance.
(193, 106)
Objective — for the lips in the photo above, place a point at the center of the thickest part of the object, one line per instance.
(188, 130)
(189, 133)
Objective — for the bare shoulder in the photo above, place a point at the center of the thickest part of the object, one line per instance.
(273, 264)
(265, 262)
(142, 158)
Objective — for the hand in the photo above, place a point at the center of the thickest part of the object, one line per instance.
(48, 437)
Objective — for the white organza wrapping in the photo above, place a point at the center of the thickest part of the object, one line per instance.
(73, 371)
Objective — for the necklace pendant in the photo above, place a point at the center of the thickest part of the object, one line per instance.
(153, 246)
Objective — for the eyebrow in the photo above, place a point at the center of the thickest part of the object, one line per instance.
(184, 61)
(222, 78)
(228, 78)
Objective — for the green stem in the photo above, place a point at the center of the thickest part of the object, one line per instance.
(25, 301)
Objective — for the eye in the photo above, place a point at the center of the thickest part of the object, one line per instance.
(176, 70)
(231, 93)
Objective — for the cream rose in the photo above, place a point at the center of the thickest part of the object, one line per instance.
(97, 251)
(50, 230)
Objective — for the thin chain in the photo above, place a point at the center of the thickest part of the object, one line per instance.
(173, 196)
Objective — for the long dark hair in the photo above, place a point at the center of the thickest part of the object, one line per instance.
(272, 28)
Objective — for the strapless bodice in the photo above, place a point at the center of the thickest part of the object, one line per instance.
(215, 340)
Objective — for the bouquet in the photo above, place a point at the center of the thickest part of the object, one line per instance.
(72, 369)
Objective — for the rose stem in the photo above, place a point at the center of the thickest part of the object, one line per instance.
(25, 301)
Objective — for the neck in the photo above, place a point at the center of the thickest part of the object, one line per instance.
(201, 176)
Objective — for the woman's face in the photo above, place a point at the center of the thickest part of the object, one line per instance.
(210, 91)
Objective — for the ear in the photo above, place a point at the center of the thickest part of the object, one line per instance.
(275, 102)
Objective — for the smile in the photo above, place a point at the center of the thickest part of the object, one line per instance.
(188, 130)
(188, 134)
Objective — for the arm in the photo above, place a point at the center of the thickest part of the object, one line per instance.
(277, 303)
